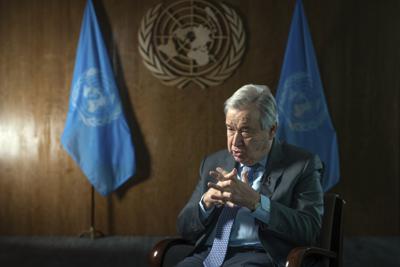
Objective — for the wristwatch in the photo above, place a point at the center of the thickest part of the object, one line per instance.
(263, 205)
(258, 204)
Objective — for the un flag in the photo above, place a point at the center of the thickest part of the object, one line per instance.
(303, 114)
(96, 134)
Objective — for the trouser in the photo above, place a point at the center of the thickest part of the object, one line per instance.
(235, 257)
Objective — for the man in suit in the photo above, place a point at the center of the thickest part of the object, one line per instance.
(259, 198)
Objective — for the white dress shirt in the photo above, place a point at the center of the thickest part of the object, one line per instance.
(244, 230)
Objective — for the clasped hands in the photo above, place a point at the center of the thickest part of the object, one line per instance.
(228, 190)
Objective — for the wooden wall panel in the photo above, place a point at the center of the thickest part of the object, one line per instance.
(42, 191)
(358, 55)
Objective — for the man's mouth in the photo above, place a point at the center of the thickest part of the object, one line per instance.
(237, 152)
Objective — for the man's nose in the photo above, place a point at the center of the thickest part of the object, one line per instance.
(237, 139)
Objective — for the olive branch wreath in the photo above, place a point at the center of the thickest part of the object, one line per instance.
(215, 76)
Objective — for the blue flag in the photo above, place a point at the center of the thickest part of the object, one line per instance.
(303, 114)
(96, 134)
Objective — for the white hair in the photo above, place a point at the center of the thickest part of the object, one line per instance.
(258, 95)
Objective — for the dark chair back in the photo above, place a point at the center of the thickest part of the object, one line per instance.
(331, 236)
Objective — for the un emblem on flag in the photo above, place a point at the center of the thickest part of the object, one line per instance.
(94, 97)
(303, 104)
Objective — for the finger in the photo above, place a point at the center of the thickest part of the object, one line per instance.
(227, 175)
(215, 186)
(224, 186)
(232, 174)
(245, 178)
(216, 175)
(224, 197)
(222, 171)
(230, 204)
(217, 200)
(227, 185)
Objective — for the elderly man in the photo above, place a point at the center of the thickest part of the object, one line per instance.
(256, 200)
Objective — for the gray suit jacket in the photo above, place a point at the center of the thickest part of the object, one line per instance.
(292, 182)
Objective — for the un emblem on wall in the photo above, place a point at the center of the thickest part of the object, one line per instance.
(192, 41)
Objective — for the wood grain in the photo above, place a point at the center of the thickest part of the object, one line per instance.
(43, 192)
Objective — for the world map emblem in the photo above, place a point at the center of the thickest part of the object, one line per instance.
(303, 108)
(195, 41)
(94, 98)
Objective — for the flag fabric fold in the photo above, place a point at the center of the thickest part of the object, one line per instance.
(304, 119)
(96, 134)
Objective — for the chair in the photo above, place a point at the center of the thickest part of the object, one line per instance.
(170, 251)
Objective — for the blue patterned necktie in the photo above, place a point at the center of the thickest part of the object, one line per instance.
(224, 226)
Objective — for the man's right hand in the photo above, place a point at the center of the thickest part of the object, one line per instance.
(213, 196)
(209, 201)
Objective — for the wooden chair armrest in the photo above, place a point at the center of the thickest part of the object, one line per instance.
(297, 255)
(157, 253)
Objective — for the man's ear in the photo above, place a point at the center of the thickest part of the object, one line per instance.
(272, 131)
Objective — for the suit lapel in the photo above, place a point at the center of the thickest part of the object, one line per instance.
(274, 170)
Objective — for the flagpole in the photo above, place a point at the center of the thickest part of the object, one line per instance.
(92, 233)
(83, 136)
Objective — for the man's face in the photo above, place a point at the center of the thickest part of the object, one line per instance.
(246, 141)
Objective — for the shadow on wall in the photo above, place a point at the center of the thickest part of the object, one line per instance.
(143, 162)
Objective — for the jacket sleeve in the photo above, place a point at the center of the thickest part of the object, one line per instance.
(297, 219)
(189, 224)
